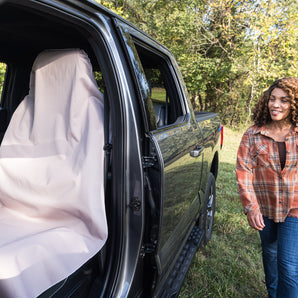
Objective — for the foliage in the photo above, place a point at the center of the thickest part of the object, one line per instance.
(228, 51)
(116, 6)
(2, 74)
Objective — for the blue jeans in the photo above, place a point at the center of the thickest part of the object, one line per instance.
(280, 257)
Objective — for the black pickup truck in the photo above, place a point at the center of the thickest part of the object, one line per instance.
(161, 157)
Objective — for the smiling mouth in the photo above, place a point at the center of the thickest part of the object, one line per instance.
(275, 112)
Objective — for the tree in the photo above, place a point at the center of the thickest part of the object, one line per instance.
(228, 50)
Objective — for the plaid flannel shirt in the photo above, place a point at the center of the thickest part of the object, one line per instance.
(261, 181)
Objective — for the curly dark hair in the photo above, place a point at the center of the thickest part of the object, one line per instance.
(261, 115)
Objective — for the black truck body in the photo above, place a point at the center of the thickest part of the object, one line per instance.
(163, 160)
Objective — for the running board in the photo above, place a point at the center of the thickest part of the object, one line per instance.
(175, 280)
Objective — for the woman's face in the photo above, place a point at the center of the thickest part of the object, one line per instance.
(279, 105)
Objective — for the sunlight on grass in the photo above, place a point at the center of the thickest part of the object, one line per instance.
(230, 265)
(158, 95)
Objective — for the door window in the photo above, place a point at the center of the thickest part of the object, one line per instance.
(162, 89)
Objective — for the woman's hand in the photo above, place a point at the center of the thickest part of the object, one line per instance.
(255, 219)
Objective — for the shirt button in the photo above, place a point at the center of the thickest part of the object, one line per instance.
(288, 152)
(280, 202)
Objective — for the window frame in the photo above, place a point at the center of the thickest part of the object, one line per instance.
(170, 81)
(170, 87)
(133, 38)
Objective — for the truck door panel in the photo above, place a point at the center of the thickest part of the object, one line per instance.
(180, 204)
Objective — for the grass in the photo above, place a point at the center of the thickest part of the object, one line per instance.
(230, 265)
(158, 95)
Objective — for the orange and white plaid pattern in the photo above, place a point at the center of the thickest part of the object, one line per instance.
(261, 181)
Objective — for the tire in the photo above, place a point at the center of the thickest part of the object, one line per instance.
(209, 209)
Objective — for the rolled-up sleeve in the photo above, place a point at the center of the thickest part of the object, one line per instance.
(244, 173)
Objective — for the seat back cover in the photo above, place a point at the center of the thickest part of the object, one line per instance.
(52, 213)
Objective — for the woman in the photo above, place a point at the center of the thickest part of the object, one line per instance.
(266, 174)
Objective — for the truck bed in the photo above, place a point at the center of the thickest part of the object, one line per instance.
(201, 116)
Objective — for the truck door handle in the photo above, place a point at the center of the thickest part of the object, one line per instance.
(197, 151)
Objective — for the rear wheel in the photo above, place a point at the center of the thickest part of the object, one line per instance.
(209, 209)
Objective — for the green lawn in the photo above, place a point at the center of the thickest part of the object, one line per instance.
(230, 265)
